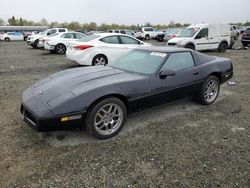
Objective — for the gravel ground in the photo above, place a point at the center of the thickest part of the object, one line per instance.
(181, 144)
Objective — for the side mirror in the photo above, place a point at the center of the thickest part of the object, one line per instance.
(165, 73)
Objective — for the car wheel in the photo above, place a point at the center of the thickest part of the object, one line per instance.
(60, 49)
(190, 46)
(147, 37)
(25, 38)
(209, 91)
(106, 118)
(99, 60)
(35, 44)
(244, 44)
(7, 39)
(222, 47)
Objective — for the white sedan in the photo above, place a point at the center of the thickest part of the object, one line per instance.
(9, 36)
(58, 42)
(99, 49)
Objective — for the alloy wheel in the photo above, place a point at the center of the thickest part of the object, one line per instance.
(211, 91)
(108, 119)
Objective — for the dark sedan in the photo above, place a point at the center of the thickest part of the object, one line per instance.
(245, 39)
(101, 97)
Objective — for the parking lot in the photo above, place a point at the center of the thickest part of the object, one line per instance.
(181, 144)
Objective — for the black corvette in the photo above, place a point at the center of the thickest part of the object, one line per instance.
(101, 97)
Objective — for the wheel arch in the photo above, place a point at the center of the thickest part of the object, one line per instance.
(217, 74)
(192, 44)
(115, 95)
(100, 54)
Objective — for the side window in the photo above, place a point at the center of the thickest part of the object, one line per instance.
(178, 61)
(61, 30)
(67, 36)
(78, 36)
(128, 40)
(111, 40)
(116, 31)
(51, 32)
(203, 33)
(149, 29)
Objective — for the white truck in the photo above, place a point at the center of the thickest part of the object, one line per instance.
(203, 37)
(33, 40)
(147, 33)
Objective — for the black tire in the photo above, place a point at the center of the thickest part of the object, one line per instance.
(35, 45)
(147, 37)
(222, 47)
(190, 46)
(99, 60)
(7, 39)
(25, 38)
(60, 49)
(106, 129)
(202, 96)
(244, 44)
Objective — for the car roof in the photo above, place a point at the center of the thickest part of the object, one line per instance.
(110, 34)
(162, 49)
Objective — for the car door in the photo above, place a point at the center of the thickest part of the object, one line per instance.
(184, 82)
(67, 38)
(202, 40)
(111, 47)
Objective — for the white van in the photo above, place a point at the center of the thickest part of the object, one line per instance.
(203, 37)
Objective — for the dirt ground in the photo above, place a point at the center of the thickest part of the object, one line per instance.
(181, 144)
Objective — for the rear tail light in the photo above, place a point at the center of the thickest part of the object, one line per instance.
(82, 47)
(174, 36)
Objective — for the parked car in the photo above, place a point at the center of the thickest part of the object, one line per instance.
(58, 42)
(11, 36)
(122, 31)
(203, 37)
(172, 33)
(102, 48)
(245, 39)
(33, 40)
(148, 33)
(101, 97)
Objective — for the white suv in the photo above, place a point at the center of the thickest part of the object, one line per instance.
(148, 33)
(33, 40)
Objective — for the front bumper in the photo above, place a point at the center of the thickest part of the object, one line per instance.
(51, 124)
(49, 47)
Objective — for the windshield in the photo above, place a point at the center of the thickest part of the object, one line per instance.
(89, 38)
(189, 32)
(44, 32)
(172, 31)
(142, 62)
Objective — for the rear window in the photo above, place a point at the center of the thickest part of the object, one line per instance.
(204, 58)
(89, 38)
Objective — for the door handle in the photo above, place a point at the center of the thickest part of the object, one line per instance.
(196, 73)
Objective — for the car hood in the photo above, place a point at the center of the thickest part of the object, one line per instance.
(76, 81)
(178, 39)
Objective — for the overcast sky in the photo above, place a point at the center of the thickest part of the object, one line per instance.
(128, 11)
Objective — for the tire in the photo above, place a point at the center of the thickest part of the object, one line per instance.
(25, 38)
(106, 118)
(60, 49)
(35, 44)
(190, 46)
(209, 91)
(147, 37)
(7, 39)
(222, 47)
(244, 44)
(99, 60)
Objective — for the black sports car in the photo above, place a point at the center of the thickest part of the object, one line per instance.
(101, 97)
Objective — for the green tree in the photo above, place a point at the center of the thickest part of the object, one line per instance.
(74, 26)
(12, 21)
(43, 22)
